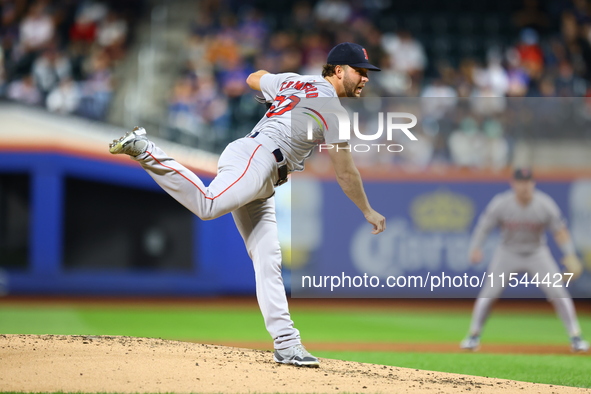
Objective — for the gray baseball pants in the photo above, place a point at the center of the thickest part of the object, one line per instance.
(540, 262)
(244, 186)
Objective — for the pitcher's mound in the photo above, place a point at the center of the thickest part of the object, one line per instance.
(105, 364)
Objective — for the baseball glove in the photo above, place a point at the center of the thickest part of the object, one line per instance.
(262, 100)
(572, 264)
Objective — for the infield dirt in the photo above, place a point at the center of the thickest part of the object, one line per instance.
(105, 364)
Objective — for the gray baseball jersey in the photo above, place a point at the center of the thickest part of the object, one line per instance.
(523, 229)
(523, 249)
(286, 122)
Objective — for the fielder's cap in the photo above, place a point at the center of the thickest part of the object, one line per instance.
(523, 173)
(351, 54)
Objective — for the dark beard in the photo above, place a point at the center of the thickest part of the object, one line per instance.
(349, 87)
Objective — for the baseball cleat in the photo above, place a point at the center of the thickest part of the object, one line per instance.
(471, 343)
(577, 344)
(133, 143)
(296, 355)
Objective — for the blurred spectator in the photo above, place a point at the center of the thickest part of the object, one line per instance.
(518, 78)
(392, 82)
(439, 98)
(56, 45)
(581, 12)
(494, 77)
(467, 144)
(577, 45)
(333, 11)
(406, 54)
(315, 61)
(196, 59)
(97, 88)
(530, 53)
(83, 32)
(547, 87)
(203, 24)
(252, 32)
(485, 102)
(418, 154)
(464, 81)
(567, 83)
(9, 31)
(291, 59)
(198, 113)
(49, 69)
(64, 98)
(94, 10)
(314, 52)
(9, 12)
(111, 35)
(36, 29)
(552, 113)
(496, 147)
(2, 74)
(232, 79)
(211, 107)
(25, 91)
(36, 32)
(279, 44)
(223, 49)
(371, 38)
(302, 18)
(181, 116)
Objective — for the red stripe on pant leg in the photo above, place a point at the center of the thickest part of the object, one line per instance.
(246, 169)
(197, 186)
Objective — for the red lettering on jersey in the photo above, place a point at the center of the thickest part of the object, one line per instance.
(298, 85)
(523, 226)
(311, 95)
(282, 104)
(308, 87)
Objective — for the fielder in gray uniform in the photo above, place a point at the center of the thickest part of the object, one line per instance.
(251, 167)
(523, 215)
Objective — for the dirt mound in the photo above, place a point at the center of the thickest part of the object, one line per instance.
(51, 363)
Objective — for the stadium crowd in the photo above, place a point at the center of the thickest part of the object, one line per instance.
(60, 54)
(540, 49)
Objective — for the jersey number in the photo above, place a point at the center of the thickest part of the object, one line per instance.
(282, 104)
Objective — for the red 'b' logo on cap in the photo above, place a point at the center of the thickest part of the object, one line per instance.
(365, 53)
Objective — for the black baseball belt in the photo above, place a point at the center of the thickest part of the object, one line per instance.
(271, 146)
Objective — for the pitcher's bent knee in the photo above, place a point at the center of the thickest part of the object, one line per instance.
(209, 215)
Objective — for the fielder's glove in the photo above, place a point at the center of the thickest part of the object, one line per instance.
(262, 100)
(573, 265)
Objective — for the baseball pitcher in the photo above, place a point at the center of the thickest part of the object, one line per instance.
(251, 167)
(523, 215)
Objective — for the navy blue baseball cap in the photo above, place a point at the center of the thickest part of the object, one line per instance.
(523, 174)
(350, 54)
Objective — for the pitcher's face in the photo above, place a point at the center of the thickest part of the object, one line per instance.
(354, 81)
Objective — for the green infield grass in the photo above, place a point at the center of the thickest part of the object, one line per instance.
(562, 370)
(343, 326)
